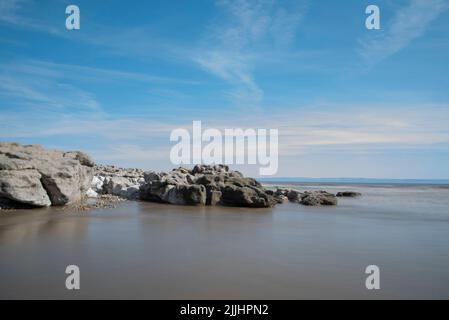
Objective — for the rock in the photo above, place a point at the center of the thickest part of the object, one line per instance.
(281, 199)
(63, 177)
(23, 186)
(91, 193)
(174, 188)
(233, 195)
(281, 192)
(113, 171)
(318, 198)
(121, 182)
(349, 194)
(188, 194)
(293, 195)
(283, 195)
(214, 197)
(97, 184)
(65, 181)
(205, 185)
(82, 158)
(122, 187)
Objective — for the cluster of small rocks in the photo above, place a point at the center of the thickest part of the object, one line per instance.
(102, 201)
(311, 198)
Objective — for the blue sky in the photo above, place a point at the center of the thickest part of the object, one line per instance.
(348, 102)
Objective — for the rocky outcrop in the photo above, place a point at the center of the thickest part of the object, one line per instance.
(31, 176)
(34, 176)
(348, 194)
(318, 198)
(205, 185)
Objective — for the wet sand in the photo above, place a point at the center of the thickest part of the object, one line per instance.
(155, 251)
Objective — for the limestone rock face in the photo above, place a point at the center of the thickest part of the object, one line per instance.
(32, 175)
(205, 185)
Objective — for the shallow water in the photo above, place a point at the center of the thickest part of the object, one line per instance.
(146, 250)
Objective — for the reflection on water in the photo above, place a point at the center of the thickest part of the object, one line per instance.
(146, 250)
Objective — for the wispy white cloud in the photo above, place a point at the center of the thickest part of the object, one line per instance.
(98, 125)
(48, 69)
(363, 128)
(9, 11)
(65, 88)
(12, 13)
(230, 49)
(46, 94)
(409, 23)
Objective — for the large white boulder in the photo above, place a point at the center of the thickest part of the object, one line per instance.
(27, 172)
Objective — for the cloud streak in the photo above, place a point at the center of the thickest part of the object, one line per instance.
(9, 11)
(231, 49)
(59, 70)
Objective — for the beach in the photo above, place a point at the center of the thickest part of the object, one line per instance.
(159, 251)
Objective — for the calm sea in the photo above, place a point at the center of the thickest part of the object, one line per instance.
(147, 250)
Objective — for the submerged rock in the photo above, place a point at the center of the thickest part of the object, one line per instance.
(34, 176)
(283, 195)
(318, 198)
(348, 194)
